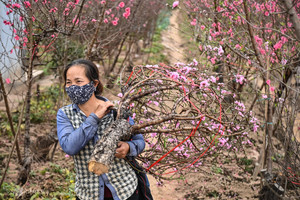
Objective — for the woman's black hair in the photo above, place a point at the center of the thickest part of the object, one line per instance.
(91, 72)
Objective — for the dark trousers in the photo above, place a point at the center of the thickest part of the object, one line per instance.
(134, 196)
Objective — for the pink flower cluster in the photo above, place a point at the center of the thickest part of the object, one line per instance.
(239, 78)
(272, 89)
(126, 14)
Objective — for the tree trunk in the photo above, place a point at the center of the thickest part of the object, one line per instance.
(105, 148)
(26, 163)
(294, 17)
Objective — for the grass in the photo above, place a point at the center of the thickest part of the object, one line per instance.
(52, 182)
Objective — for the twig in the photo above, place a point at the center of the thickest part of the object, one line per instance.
(9, 116)
(15, 143)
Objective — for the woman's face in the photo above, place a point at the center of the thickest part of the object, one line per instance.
(76, 76)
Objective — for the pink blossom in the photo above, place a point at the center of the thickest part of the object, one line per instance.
(126, 15)
(103, 2)
(94, 20)
(114, 22)
(6, 22)
(67, 156)
(127, 9)
(283, 30)
(266, 13)
(11, 51)
(121, 4)
(272, 89)
(33, 18)
(105, 21)
(77, 20)
(255, 127)
(258, 40)
(66, 11)
(25, 39)
(21, 19)
(281, 100)
(171, 140)
(16, 5)
(195, 62)
(213, 79)
(17, 37)
(174, 75)
(194, 22)
(204, 84)
(264, 96)
(153, 134)
(238, 46)
(229, 31)
(222, 141)
(220, 51)
(268, 82)
(120, 95)
(284, 39)
(159, 184)
(53, 10)
(283, 61)
(8, 80)
(202, 27)
(27, 4)
(213, 60)
(175, 4)
(262, 51)
(278, 45)
(240, 107)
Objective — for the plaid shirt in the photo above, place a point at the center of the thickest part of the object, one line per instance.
(121, 178)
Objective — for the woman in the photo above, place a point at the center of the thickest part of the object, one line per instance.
(80, 125)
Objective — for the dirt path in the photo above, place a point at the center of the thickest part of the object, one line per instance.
(172, 41)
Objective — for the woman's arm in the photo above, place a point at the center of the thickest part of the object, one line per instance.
(73, 140)
(137, 143)
(131, 148)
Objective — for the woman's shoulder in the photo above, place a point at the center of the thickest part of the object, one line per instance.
(66, 108)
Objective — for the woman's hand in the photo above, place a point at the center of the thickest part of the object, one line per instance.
(102, 108)
(122, 150)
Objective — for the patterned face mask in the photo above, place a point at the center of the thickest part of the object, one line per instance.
(80, 94)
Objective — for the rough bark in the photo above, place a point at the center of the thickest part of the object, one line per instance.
(294, 17)
(105, 148)
(27, 159)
